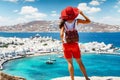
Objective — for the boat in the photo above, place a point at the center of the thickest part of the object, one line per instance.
(49, 62)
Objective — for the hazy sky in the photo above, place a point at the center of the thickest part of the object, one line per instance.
(19, 11)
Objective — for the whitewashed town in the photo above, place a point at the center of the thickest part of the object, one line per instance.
(14, 48)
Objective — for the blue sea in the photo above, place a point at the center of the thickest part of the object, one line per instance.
(35, 68)
(112, 37)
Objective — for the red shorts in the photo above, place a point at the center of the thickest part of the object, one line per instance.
(71, 50)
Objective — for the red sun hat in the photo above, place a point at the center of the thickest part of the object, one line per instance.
(69, 13)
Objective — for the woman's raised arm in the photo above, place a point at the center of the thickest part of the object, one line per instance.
(87, 20)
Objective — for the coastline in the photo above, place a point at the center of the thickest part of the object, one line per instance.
(28, 55)
(3, 62)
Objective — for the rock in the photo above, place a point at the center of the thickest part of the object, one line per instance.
(4, 76)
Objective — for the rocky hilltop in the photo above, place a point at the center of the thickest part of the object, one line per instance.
(45, 26)
(4, 76)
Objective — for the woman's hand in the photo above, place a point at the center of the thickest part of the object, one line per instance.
(80, 12)
(87, 20)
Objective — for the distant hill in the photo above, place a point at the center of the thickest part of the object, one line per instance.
(47, 26)
(99, 27)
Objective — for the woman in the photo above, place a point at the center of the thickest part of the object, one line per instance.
(71, 47)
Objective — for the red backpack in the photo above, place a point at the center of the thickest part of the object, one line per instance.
(71, 35)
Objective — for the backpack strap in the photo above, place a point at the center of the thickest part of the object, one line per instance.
(74, 24)
(66, 27)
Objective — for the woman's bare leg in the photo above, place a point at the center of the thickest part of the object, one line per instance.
(82, 68)
(71, 68)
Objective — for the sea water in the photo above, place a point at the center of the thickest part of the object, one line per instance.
(35, 68)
